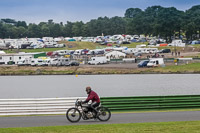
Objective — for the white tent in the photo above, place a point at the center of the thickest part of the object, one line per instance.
(115, 55)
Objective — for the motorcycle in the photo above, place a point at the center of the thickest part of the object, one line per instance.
(80, 110)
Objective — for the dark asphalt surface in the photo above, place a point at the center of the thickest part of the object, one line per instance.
(37, 121)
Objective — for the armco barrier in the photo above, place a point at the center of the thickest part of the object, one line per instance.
(151, 102)
(36, 106)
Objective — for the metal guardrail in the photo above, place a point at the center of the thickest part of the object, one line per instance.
(36, 106)
(151, 102)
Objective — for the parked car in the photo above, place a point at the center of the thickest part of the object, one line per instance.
(84, 51)
(143, 63)
(165, 51)
(74, 63)
(100, 52)
(125, 42)
(138, 54)
(104, 43)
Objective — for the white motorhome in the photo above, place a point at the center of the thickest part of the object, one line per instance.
(151, 50)
(155, 62)
(119, 48)
(98, 60)
(54, 61)
(37, 62)
(63, 62)
(50, 44)
(2, 43)
(43, 61)
(130, 50)
(63, 52)
(57, 39)
(96, 51)
(24, 62)
(147, 50)
(47, 39)
(78, 52)
(177, 43)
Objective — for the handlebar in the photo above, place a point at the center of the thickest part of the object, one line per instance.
(78, 102)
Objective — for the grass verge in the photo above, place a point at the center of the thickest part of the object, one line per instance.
(27, 70)
(164, 127)
(188, 68)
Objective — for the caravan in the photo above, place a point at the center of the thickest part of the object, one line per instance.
(98, 60)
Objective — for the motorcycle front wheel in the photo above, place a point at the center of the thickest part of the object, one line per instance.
(73, 115)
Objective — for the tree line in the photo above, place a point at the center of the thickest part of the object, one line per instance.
(153, 21)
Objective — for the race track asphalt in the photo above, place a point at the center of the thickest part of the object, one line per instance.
(60, 120)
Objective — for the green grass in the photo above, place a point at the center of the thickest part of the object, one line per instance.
(193, 67)
(181, 68)
(159, 127)
(196, 45)
(34, 50)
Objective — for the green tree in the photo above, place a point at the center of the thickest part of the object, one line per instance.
(192, 22)
(34, 31)
(168, 22)
(77, 28)
(150, 20)
(67, 29)
(21, 32)
(21, 23)
(117, 26)
(132, 12)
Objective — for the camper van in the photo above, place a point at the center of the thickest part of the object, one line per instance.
(63, 52)
(130, 50)
(155, 62)
(41, 61)
(98, 60)
(63, 62)
(24, 62)
(2, 43)
(78, 52)
(37, 62)
(96, 51)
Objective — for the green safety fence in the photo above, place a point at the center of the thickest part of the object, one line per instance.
(40, 55)
(151, 102)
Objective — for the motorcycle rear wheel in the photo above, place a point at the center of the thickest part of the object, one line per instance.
(104, 114)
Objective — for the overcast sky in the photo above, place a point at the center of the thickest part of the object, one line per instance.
(36, 11)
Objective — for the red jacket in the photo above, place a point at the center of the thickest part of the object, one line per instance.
(93, 96)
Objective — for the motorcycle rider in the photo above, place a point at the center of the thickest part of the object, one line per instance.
(94, 97)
